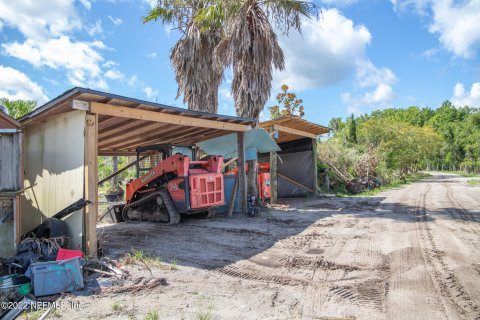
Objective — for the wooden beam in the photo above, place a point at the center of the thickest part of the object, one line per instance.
(273, 171)
(17, 218)
(295, 183)
(294, 131)
(137, 131)
(126, 112)
(242, 174)
(273, 178)
(125, 125)
(315, 167)
(91, 188)
(139, 138)
(160, 137)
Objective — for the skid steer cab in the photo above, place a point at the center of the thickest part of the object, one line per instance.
(170, 182)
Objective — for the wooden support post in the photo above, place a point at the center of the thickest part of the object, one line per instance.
(17, 208)
(91, 187)
(242, 175)
(273, 178)
(273, 173)
(315, 167)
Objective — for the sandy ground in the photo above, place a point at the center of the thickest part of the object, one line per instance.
(409, 253)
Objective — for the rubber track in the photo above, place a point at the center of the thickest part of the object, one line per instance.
(174, 216)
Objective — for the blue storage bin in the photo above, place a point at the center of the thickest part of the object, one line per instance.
(54, 277)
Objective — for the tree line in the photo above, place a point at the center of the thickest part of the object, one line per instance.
(389, 144)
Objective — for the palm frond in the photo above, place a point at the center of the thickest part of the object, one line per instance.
(158, 13)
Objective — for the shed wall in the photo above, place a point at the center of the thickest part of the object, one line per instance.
(297, 164)
(54, 166)
(10, 167)
(10, 157)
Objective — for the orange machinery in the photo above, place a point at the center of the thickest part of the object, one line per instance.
(263, 179)
(176, 185)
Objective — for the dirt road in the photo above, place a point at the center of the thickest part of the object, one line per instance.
(410, 253)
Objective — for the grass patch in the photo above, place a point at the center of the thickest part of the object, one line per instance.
(473, 183)
(204, 315)
(140, 257)
(55, 313)
(152, 315)
(117, 306)
(32, 314)
(173, 265)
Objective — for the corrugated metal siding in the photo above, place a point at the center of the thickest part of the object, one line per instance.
(54, 166)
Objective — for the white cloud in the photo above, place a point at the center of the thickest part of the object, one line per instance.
(87, 4)
(150, 92)
(40, 19)
(81, 60)
(114, 74)
(16, 85)
(380, 97)
(418, 6)
(458, 26)
(455, 22)
(151, 55)
(115, 21)
(325, 54)
(368, 75)
(379, 83)
(462, 98)
(48, 27)
(151, 3)
(95, 29)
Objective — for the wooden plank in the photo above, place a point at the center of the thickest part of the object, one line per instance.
(125, 112)
(137, 131)
(292, 182)
(157, 138)
(91, 188)
(315, 168)
(139, 138)
(242, 174)
(127, 124)
(294, 131)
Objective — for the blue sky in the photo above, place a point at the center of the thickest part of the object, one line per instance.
(358, 56)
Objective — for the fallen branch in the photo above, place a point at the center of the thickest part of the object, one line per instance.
(101, 271)
(136, 288)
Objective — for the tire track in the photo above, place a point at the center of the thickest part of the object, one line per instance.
(455, 298)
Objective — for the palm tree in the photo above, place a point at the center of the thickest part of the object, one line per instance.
(251, 47)
(236, 33)
(197, 76)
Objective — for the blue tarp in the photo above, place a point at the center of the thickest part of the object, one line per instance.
(256, 140)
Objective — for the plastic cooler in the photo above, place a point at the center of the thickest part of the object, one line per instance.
(56, 276)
